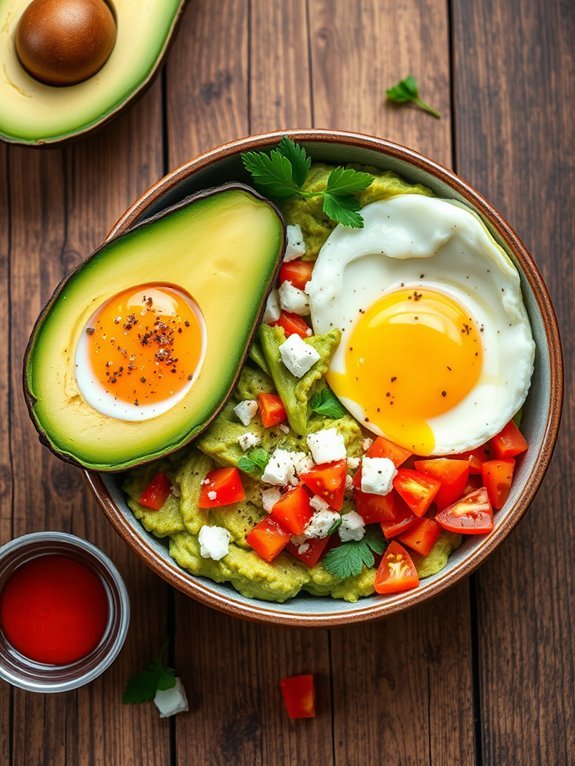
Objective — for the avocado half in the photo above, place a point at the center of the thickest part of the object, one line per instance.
(223, 247)
(34, 113)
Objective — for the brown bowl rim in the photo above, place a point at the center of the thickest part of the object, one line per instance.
(258, 611)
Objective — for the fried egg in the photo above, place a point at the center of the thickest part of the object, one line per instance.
(140, 352)
(437, 351)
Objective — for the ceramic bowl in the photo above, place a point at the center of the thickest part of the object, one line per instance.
(541, 413)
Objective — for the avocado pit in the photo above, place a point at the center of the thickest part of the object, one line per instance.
(64, 42)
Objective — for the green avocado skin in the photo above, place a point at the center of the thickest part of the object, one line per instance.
(223, 248)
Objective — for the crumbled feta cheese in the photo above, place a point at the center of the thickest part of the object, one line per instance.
(293, 299)
(279, 469)
(246, 411)
(302, 463)
(270, 497)
(214, 542)
(320, 524)
(283, 428)
(212, 494)
(352, 527)
(318, 503)
(348, 483)
(353, 463)
(327, 445)
(295, 246)
(366, 443)
(272, 309)
(297, 355)
(176, 491)
(303, 548)
(171, 701)
(248, 440)
(377, 474)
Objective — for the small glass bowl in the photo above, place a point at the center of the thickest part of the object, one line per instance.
(34, 676)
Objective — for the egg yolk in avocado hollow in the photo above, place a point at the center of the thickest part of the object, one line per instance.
(413, 355)
(140, 352)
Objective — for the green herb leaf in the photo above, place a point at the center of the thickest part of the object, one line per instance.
(297, 156)
(255, 460)
(374, 538)
(144, 684)
(271, 172)
(336, 524)
(325, 402)
(344, 181)
(343, 210)
(348, 559)
(407, 91)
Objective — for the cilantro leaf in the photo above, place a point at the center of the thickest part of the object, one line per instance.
(298, 157)
(348, 559)
(344, 181)
(407, 91)
(255, 460)
(374, 538)
(343, 210)
(325, 402)
(144, 684)
(272, 172)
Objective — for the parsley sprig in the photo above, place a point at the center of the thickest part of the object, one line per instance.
(325, 402)
(255, 460)
(282, 173)
(144, 684)
(349, 559)
(407, 91)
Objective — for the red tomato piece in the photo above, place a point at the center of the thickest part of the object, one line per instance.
(396, 571)
(313, 550)
(421, 536)
(471, 515)
(328, 481)
(382, 447)
(268, 538)
(417, 489)
(156, 493)
(221, 487)
(293, 510)
(509, 442)
(272, 410)
(476, 458)
(452, 474)
(299, 695)
(497, 478)
(297, 272)
(293, 323)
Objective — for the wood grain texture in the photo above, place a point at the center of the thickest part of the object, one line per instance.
(514, 121)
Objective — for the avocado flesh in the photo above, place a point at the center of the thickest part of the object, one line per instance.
(34, 113)
(223, 248)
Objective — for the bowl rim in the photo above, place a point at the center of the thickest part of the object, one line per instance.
(257, 611)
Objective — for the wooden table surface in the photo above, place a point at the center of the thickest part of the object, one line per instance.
(483, 674)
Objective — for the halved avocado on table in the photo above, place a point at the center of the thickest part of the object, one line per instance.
(222, 247)
(33, 112)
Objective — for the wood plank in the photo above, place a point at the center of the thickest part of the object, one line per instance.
(395, 680)
(515, 87)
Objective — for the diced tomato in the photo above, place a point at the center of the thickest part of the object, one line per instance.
(389, 510)
(509, 442)
(417, 489)
(297, 272)
(328, 481)
(396, 571)
(312, 550)
(471, 515)
(271, 409)
(382, 447)
(299, 695)
(452, 474)
(476, 458)
(156, 493)
(293, 323)
(293, 510)
(421, 536)
(268, 538)
(497, 478)
(221, 487)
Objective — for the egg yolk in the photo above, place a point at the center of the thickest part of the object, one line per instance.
(413, 355)
(145, 344)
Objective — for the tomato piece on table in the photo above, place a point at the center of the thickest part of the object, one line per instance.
(293, 510)
(417, 489)
(272, 410)
(221, 487)
(268, 538)
(328, 481)
(156, 493)
(497, 478)
(509, 442)
(382, 447)
(471, 515)
(421, 536)
(299, 695)
(297, 272)
(293, 323)
(312, 550)
(396, 571)
(451, 472)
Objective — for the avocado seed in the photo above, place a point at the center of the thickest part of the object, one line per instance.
(63, 42)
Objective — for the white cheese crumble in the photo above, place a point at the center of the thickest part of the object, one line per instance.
(353, 463)
(272, 309)
(302, 462)
(352, 527)
(270, 497)
(366, 443)
(318, 503)
(327, 445)
(293, 299)
(248, 440)
(246, 411)
(377, 474)
(295, 246)
(284, 428)
(214, 542)
(297, 355)
(171, 701)
(348, 483)
(212, 494)
(320, 524)
(279, 469)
